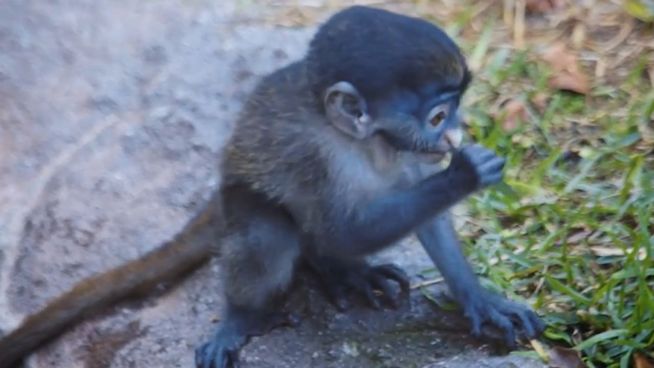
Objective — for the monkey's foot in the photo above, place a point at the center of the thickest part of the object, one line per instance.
(372, 282)
(234, 332)
(512, 318)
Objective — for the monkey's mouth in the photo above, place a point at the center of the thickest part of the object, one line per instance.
(435, 153)
(424, 151)
(432, 157)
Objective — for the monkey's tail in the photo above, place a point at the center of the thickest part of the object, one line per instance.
(167, 263)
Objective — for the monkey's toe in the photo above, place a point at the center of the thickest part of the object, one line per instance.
(392, 272)
(379, 278)
(373, 283)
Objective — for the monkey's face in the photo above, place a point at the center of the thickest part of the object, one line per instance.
(394, 76)
(398, 77)
(425, 121)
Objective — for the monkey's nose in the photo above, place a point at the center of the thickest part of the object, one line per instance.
(453, 137)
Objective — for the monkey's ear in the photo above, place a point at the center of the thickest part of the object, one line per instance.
(347, 110)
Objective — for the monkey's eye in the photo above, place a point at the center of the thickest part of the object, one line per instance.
(351, 106)
(437, 115)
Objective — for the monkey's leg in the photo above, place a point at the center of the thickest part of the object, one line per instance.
(439, 239)
(258, 259)
(339, 277)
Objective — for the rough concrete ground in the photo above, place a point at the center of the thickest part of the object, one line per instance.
(112, 115)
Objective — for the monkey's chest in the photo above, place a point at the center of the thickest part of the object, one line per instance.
(360, 178)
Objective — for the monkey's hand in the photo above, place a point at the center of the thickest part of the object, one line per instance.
(475, 167)
(484, 307)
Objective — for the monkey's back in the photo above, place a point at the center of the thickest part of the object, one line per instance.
(275, 148)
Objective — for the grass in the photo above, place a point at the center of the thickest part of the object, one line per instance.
(573, 232)
(572, 228)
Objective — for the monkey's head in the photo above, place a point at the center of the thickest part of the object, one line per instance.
(377, 72)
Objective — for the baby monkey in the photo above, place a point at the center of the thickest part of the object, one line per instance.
(334, 157)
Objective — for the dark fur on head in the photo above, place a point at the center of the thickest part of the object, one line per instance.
(377, 50)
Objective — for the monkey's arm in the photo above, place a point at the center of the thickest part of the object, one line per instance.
(440, 240)
(387, 219)
(168, 263)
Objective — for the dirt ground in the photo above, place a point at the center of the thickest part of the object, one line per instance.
(112, 116)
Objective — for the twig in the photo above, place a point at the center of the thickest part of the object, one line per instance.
(437, 280)
(519, 24)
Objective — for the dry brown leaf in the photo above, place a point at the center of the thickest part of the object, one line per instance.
(543, 6)
(540, 350)
(294, 16)
(566, 72)
(600, 68)
(570, 82)
(642, 361)
(565, 358)
(515, 112)
(540, 100)
(579, 236)
(607, 251)
(578, 36)
(519, 24)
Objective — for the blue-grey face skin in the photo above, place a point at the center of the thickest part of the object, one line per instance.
(424, 122)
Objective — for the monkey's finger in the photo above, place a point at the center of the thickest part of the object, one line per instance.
(478, 153)
(535, 323)
(473, 148)
(525, 321)
(491, 179)
(475, 321)
(198, 358)
(220, 359)
(396, 274)
(483, 155)
(504, 324)
(492, 166)
(538, 323)
(232, 359)
(204, 356)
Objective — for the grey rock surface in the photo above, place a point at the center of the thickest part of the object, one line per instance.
(112, 117)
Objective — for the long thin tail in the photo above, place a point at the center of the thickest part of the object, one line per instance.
(167, 263)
